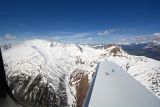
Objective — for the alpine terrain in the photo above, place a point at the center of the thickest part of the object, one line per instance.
(49, 74)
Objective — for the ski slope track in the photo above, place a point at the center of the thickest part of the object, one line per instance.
(47, 73)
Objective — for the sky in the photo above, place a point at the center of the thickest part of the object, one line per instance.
(90, 21)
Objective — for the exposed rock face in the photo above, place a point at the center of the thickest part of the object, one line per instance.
(62, 92)
(35, 93)
(80, 80)
(47, 74)
(6, 46)
(116, 51)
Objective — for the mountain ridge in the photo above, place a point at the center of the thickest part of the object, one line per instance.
(51, 65)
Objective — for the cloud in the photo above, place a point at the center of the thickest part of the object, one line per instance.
(124, 39)
(106, 32)
(70, 36)
(157, 34)
(142, 38)
(89, 38)
(156, 37)
(151, 37)
(66, 36)
(9, 36)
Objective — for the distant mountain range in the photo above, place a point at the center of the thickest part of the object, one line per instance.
(46, 73)
(148, 49)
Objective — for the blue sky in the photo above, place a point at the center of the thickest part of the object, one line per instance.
(97, 21)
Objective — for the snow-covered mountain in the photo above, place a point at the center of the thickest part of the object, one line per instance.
(148, 49)
(44, 73)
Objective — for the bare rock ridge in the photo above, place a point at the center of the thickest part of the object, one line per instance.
(50, 74)
(80, 80)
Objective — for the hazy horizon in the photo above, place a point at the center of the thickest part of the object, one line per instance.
(81, 21)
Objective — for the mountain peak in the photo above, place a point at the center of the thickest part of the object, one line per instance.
(53, 66)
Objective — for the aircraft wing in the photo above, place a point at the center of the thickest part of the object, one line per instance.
(113, 87)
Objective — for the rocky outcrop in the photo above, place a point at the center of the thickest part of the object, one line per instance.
(116, 51)
(6, 46)
(80, 80)
(45, 74)
(36, 92)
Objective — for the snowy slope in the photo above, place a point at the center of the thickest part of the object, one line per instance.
(55, 71)
(39, 62)
(144, 70)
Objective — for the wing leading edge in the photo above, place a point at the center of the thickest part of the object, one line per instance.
(113, 87)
